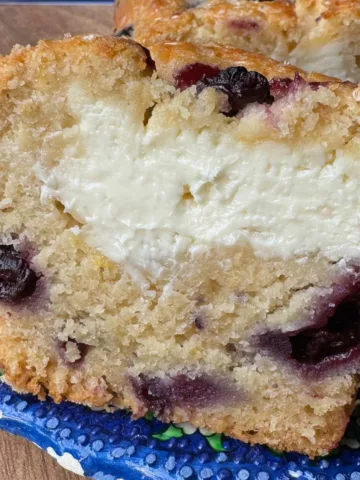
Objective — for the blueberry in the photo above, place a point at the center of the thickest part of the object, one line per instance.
(83, 349)
(333, 339)
(17, 279)
(241, 87)
(338, 337)
(191, 74)
(199, 322)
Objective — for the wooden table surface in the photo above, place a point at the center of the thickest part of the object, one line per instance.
(23, 24)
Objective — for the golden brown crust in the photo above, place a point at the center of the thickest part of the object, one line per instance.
(159, 13)
(164, 18)
(158, 20)
(172, 57)
(313, 34)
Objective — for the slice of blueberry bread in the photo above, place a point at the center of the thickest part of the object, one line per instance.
(191, 251)
(316, 35)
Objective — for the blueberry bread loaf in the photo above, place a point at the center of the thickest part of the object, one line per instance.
(191, 251)
(316, 35)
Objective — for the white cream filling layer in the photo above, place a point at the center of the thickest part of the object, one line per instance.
(335, 59)
(147, 196)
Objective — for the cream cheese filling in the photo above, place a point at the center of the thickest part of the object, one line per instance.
(334, 58)
(147, 196)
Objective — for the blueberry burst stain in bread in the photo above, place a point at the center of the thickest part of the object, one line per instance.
(198, 246)
(162, 396)
(316, 35)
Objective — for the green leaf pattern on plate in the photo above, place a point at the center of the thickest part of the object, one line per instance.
(178, 430)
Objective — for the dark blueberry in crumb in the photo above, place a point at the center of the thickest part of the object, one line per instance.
(149, 61)
(333, 340)
(125, 32)
(17, 279)
(241, 87)
(338, 337)
(199, 322)
(230, 348)
(193, 73)
(161, 395)
(83, 349)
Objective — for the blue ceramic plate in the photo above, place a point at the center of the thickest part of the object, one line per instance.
(108, 446)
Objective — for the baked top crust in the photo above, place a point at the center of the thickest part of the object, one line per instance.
(315, 35)
(170, 57)
(278, 14)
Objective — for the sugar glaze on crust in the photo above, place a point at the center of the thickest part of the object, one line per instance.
(211, 341)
